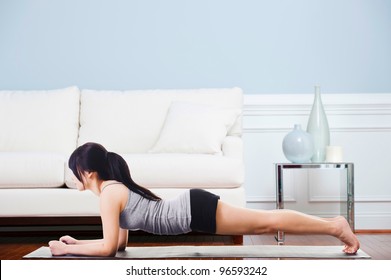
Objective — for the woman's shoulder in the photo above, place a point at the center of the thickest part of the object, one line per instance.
(114, 192)
(113, 188)
(110, 185)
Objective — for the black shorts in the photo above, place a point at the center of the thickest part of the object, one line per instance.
(203, 206)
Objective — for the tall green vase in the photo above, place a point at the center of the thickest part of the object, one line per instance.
(318, 127)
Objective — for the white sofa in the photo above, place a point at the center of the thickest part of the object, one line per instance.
(40, 129)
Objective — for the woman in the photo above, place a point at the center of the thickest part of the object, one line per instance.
(124, 206)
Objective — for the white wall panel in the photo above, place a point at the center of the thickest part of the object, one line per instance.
(360, 123)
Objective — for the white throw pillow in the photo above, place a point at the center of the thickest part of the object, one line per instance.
(194, 128)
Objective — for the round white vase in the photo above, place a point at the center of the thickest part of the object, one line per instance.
(298, 145)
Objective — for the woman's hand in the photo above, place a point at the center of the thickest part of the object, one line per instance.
(68, 239)
(57, 248)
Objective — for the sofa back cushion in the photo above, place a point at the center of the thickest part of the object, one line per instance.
(39, 121)
(131, 121)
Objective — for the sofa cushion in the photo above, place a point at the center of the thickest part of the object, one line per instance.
(194, 128)
(31, 170)
(235, 197)
(131, 121)
(36, 121)
(47, 202)
(185, 170)
(182, 171)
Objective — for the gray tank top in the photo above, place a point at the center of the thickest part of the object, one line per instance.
(163, 217)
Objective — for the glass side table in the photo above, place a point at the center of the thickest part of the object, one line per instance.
(348, 206)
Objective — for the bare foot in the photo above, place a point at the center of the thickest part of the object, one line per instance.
(345, 234)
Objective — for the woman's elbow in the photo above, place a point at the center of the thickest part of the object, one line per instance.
(122, 248)
(109, 252)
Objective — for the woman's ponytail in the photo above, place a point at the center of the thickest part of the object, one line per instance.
(119, 171)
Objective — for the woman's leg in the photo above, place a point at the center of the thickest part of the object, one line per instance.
(235, 220)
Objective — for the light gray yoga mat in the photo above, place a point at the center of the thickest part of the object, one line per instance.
(256, 251)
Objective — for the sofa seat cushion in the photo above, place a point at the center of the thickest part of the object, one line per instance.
(31, 170)
(182, 171)
(185, 170)
(47, 202)
(235, 197)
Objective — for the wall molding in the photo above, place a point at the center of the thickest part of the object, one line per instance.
(273, 101)
(337, 130)
(299, 106)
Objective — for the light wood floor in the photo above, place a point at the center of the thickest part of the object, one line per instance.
(378, 246)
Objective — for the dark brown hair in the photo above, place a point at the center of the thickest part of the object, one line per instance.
(93, 157)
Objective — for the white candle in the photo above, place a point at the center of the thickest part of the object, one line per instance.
(334, 154)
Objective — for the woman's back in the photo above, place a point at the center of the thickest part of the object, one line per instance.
(164, 217)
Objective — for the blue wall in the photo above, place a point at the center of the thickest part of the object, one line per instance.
(263, 46)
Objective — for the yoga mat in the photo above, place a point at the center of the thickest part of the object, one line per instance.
(255, 251)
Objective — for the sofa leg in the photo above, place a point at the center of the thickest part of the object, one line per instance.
(237, 239)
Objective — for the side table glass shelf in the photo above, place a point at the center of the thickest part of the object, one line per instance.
(347, 207)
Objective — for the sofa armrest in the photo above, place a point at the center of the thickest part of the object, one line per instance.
(233, 147)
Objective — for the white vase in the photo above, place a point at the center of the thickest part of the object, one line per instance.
(318, 127)
(298, 146)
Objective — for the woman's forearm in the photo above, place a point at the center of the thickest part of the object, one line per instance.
(81, 242)
(93, 248)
